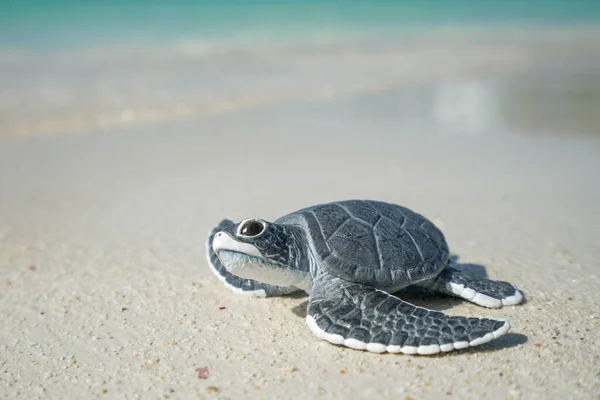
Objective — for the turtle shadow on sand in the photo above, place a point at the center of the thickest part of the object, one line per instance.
(476, 270)
(416, 295)
(434, 301)
(423, 298)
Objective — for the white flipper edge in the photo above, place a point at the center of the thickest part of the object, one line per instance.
(422, 350)
(484, 300)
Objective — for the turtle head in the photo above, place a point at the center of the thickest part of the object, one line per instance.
(259, 250)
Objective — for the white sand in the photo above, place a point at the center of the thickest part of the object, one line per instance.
(105, 291)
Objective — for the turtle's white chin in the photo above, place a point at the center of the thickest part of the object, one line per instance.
(246, 261)
(257, 268)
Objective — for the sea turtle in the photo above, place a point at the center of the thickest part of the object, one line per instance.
(350, 256)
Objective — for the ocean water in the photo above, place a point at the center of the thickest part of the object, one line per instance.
(470, 67)
(60, 23)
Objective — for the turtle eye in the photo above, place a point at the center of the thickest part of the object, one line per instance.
(252, 228)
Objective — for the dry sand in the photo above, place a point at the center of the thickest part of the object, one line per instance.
(105, 291)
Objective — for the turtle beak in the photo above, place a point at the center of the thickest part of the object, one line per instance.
(224, 242)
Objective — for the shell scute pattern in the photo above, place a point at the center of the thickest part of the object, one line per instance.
(422, 243)
(356, 242)
(331, 218)
(391, 236)
(434, 233)
(373, 242)
(362, 211)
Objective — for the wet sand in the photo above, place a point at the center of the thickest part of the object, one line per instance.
(467, 69)
(105, 291)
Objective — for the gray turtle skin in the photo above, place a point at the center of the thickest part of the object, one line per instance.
(350, 256)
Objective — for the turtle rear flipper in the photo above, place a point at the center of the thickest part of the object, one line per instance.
(246, 287)
(481, 291)
(362, 317)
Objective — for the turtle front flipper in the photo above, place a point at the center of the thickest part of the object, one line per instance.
(362, 317)
(246, 287)
(481, 291)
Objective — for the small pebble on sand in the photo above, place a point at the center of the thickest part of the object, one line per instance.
(212, 389)
(202, 372)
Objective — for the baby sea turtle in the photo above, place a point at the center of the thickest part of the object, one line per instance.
(350, 256)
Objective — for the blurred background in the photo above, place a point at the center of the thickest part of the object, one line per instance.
(445, 67)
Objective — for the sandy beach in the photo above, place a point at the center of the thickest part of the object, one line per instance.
(106, 291)
(118, 157)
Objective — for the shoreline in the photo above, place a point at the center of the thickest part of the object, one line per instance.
(53, 91)
(436, 106)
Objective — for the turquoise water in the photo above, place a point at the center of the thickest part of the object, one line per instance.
(71, 23)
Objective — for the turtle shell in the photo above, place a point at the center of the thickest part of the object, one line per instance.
(371, 242)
